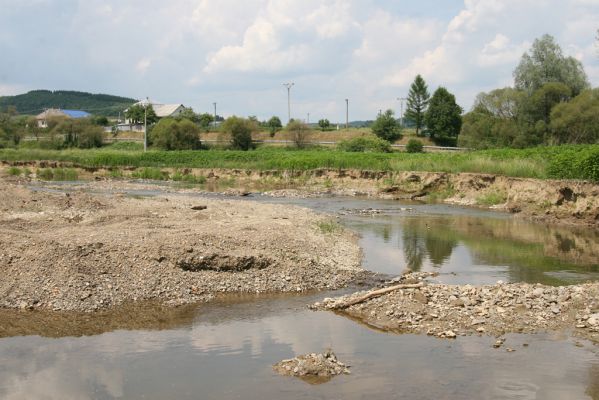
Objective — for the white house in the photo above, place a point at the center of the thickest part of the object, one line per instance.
(161, 110)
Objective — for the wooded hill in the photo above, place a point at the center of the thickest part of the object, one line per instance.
(36, 101)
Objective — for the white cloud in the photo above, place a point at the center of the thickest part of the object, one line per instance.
(200, 51)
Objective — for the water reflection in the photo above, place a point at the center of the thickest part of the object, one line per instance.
(473, 249)
(227, 352)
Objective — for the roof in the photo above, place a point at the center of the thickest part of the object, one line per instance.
(55, 112)
(76, 113)
(161, 110)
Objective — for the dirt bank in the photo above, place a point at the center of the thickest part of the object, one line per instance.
(411, 305)
(555, 201)
(85, 252)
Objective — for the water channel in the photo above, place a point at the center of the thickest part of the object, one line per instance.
(224, 350)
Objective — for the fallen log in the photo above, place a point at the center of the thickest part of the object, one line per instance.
(376, 293)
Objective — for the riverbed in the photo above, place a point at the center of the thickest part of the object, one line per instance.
(225, 349)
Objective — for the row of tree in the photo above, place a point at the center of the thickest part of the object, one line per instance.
(550, 103)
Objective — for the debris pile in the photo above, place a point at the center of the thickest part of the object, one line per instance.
(323, 365)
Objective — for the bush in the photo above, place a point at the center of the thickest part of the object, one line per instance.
(298, 133)
(170, 134)
(240, 131)
(77, 133)
(414, 146)
(386, 127)
(576, 162)
(371, 144)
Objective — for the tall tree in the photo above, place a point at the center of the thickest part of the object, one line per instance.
(444, 116)
(274, 124)
(418, 99)
(545, 63)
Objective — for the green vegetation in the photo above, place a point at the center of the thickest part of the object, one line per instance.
(492, 198)
(443, 118)
(138, 114)
(361, 144)
(550, 104)
(568, 162)
(324, 124)
(298, 133)
(240, 132)
(414, 146)
(14, 171)
(36, 101)
(57, 174)
(328, 227)
(172, 134)
(274, 124)
(386, 127)
(418, 99)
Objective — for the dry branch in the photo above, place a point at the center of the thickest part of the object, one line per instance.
(376, 293)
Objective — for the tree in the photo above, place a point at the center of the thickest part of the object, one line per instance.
(324, 124)
(386, 127)
(298, 133)
(545, 63)
(418, 99)
(240, 131)
(176, 134)
(274, 124)
(80, 133)
(443, 117)
(137, 113)
(189, 114)
(205, 119)
(576, 121)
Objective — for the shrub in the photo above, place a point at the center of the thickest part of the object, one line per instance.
(414, 146)
(362, 144)
(298, 133)
(76, 133)
(170, 134)
(14, 171)
(240, 132)
(386, 127)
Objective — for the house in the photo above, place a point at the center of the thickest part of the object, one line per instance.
(161, 110)
(42, 119)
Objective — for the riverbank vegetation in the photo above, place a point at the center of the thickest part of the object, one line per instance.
(560, 162)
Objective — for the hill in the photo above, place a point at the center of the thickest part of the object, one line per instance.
(36, 101)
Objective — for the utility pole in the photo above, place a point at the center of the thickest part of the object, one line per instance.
(214, 104)
(146, 125)
(401, 99)
(308, 119)
(288, 85)
(346, 113)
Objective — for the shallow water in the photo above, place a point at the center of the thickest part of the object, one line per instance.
(225, 350)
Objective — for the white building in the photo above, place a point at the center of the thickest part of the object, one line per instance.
(161, 110)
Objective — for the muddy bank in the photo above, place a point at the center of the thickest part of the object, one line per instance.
(556, 201)
(84, 252)
(412, 305)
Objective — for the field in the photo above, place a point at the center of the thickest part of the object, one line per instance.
(560, 162)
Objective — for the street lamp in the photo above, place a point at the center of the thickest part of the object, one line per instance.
(214, 104)
(288, 85)
(346, 113)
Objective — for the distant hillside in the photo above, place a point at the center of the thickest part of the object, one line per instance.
(36, 101)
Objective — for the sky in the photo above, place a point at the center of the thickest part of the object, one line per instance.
(238, 53)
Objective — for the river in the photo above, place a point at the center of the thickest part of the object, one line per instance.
(225, 349)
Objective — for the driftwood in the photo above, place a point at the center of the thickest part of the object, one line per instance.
(376, 293)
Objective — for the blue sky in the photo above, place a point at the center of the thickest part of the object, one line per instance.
(238, 53)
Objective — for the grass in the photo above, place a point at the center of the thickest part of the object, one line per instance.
(492, 198)
(572, 162)
(328, 227)
(57, 174)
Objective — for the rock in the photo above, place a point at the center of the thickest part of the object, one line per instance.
(593, 320)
